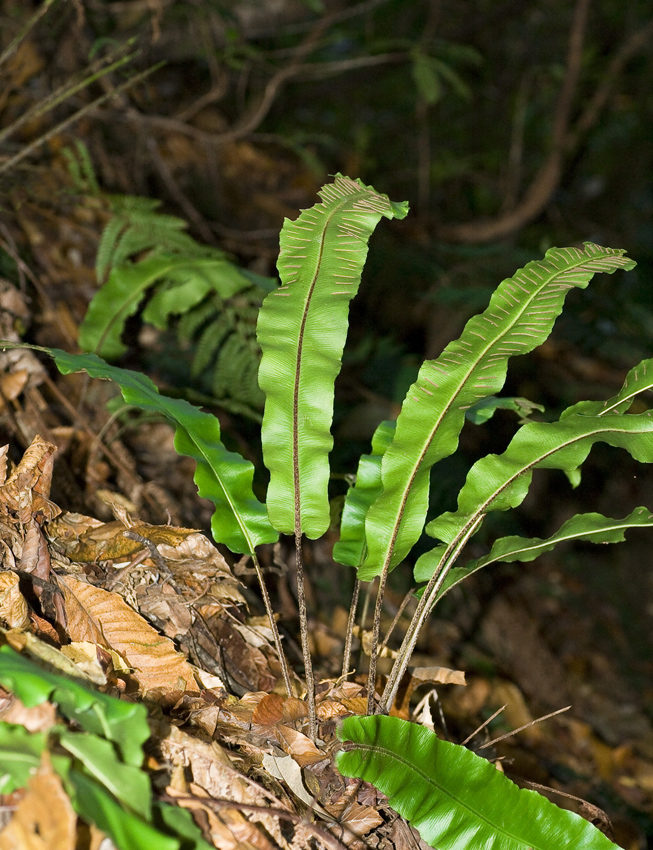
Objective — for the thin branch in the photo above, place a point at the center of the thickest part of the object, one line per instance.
(349, 634)
(188, 208)
(482, 726)
(273, 625)
(248, 127)
(283, 814)
(15, 43)
(547, 178)
(521, 728)
(629, 48)
(65, 92)
(29, 149)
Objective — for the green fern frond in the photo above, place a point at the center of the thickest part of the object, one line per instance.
(209, 342)
(191, 324)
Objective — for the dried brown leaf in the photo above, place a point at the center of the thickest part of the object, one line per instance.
(156, 664)
(38, 718)
(298, 745)
(27, 489)
(269, 710)
(44, 819)
(11, 385)
(215, 774)
(107, 542)
(438, 675)
(360, 819)
(35, 557)
(170, 610)
(13, 606)
(85, 655)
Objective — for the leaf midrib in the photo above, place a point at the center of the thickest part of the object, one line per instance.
(375, 749)
(447, 408)
(299, 358)
(482, 509)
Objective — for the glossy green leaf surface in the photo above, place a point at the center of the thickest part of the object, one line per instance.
(350, 548)
(124, 723)
(590, 527)
(500, 482)
(240, 521)
(301, 329)
(520, 316)
(20, 755)
(127, 830)
(454, 798)
(128, 783)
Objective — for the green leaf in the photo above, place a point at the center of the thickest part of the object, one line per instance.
(180, 822)
(124, 723)
(21, 755)
(500, 482)
(127, 830)
(454, 798)
(591, 527)
(426, 77)
(121, 295)
(301, 329)
(519, 317)
(350, 548)
(638, 380)
(240, 521)
(485, 409)
(128, 784)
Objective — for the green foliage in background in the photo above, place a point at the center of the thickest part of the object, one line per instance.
(147, 264)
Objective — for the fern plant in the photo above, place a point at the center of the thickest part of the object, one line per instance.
(146, 261)
(301, 330)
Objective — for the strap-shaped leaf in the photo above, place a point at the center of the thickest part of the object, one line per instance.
(519, 317)
(351, 548)
(121, 295)
(240, 521)
(454, 798)
(500, 482)
(638, 380)
(301, 329)
(591, 527)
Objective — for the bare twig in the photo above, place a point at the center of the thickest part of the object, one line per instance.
(273, 625)
(346, 653)
(30, 148)
(15, 43)
(521, 728)
(547, 178)
(188, 208)
(482, 726)
(214, 803)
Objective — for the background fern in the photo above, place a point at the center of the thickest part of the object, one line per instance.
(218, 332)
